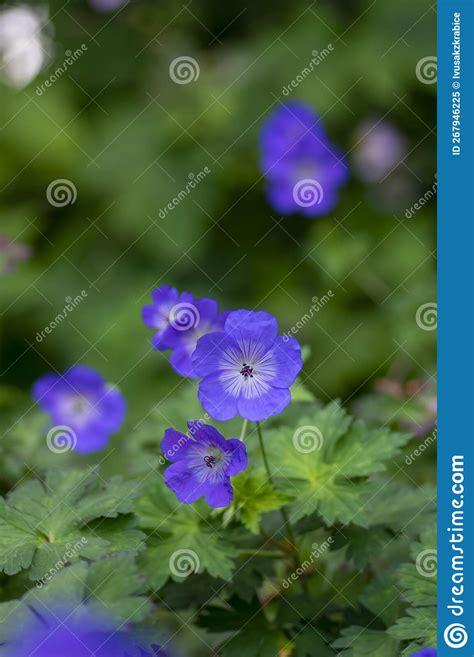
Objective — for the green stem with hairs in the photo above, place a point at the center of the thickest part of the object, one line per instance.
(284, 515)
(243, 431)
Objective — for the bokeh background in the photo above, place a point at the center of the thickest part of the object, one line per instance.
(127, 139)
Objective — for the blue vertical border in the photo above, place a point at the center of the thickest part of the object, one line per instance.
(456, 328)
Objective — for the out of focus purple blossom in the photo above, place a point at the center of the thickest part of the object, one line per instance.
(12, 253)
(107, 5)
(380, 146)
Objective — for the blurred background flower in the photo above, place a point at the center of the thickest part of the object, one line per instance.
(379, 148)
(25, 44)
(11, 254)
(107, 5)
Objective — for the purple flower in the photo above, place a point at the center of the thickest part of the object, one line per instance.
(181, 320)
(380, 147)
(84, 409)
(202, 464)
(247, 369)
(304, 171)
(76, 632)
(425, 652)
(11, 253)
(107, 5)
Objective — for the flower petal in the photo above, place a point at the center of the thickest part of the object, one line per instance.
(262, 406)
(216, 398)
(181, 362)
(219, 495)
(288, 362)
(239, 457)
(205, 433)
(111, 409)
(90, 440)
(173, 444)
(82, 377)
(213, 352)
(242, 324)
(181, 481)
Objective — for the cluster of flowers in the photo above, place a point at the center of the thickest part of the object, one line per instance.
(245, 368)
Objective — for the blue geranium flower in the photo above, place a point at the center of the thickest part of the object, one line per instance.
(304, 171)
(84, 409)
(247, 369)
(73, 631)
(202, 464)
(425, 652)
(181, 320)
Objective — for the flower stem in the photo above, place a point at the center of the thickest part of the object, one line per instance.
(286, 520)
(262, 553)
(284, 515)
(243, 431)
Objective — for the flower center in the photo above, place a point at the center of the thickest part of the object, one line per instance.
(246, 371)
(210, 461)
(80, 405)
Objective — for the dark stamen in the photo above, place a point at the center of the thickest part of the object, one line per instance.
(247, 371)
(209, 461)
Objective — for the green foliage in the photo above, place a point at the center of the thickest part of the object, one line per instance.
(363, 642)
(65, 517)
(331, 474)
(418, 584)
(127, 543)
(182, 539)
(253, 496)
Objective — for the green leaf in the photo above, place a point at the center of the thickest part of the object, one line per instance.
(398, 507)
(382, 598)
(325, 463)
(46, 525)
(310, 642)
(418, 582)
(363, 642)
(254, 496)
(255, 638)
(183, 539)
